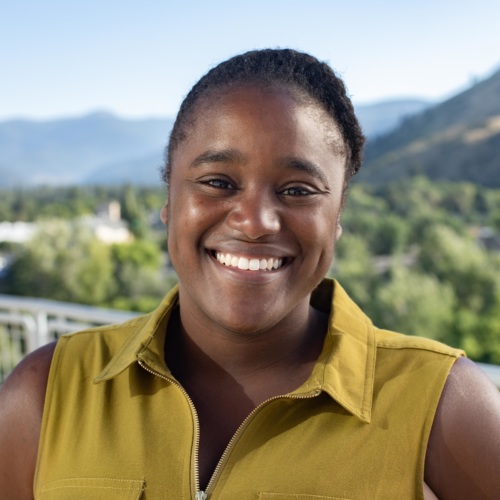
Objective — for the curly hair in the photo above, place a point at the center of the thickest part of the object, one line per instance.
(298, 71)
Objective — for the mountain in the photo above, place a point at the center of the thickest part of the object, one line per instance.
(458, 139)
(143, 171)
(71, 151)
(101, 148)
(381, 117)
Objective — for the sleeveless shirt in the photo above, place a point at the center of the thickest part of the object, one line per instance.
(117, 425)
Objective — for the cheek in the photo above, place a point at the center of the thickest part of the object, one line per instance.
(318, 230)
(190, 218)
(326, 220)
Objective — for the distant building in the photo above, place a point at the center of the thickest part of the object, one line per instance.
(111, 211)
(488, 238)
(107, 225)
(17, 232)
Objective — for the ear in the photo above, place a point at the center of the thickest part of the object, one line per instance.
(163, 214)
(338, 231)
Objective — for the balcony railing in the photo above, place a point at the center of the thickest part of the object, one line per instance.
(28, 323)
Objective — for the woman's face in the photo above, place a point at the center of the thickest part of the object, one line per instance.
(254, 201)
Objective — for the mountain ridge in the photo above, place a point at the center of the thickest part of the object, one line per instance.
(458, 140)
(68, 150)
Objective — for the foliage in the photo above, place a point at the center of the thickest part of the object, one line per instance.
(140, 277)
(10, 352)
(71, 202)
(410, 257)
(63, 262)
(66, 262)
(415, 303)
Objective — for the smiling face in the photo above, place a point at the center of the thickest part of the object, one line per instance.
(254, 200)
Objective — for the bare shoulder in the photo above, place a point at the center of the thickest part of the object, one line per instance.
(463, 454)
(22, 398)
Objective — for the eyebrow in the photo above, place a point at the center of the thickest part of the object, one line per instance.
(218, 156)
(294, 163)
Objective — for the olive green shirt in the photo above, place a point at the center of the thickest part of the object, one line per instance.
(117, 425)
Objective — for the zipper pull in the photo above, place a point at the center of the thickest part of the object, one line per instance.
(201, 495)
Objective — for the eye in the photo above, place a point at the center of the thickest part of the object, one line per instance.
(218, 183)
(297, 191)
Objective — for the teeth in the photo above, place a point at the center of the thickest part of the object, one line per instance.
(249, 264)
(243, 263)
(254, 265)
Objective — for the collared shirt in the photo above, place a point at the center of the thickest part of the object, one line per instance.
(357, 428)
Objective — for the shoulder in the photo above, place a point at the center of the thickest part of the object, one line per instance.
(22, 399)
(463, 453)
(392, 340)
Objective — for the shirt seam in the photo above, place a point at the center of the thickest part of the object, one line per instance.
(421, 348)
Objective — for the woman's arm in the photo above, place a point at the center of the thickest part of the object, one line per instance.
(21, 406)
(463, 454)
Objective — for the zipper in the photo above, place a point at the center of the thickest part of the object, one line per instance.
(199, 495)
(232, 443)
(203, 495)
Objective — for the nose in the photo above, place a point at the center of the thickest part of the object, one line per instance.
(255, 215)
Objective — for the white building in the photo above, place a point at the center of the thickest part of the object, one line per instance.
(107, 226)
(17, 232)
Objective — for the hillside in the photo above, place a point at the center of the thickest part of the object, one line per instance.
(458, 139)
(103, 149)
(382, 117)
(71, 151)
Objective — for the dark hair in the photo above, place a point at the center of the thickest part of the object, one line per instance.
(270, 67)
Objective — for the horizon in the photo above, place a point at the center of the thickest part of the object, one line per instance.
(112, 114)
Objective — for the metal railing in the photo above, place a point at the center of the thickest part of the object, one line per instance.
(28, 323)
(492, 371)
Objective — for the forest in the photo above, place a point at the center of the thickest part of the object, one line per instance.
(418, 256)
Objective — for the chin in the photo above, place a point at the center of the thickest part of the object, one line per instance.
(248, 326)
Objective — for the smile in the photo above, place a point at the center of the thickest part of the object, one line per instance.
(268, 264)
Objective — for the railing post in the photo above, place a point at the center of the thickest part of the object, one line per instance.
(42, 327)
(31, 334)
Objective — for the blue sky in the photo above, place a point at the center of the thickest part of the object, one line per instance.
(69, 57)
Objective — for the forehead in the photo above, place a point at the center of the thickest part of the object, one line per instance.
(260, 115)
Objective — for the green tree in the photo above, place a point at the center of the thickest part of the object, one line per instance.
(353, 267)
(63, 262)
(390, 236)
(415, 303)
(460, 198)
(132, 212)
(141, 275)
(459, 261)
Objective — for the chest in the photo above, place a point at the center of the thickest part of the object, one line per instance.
(309, 447)
(217, 426)
(303, 446)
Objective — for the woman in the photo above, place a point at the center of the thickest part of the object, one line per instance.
(255, 378)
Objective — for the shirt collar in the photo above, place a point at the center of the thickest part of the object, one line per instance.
(346, 366)
(344, 370)
(146, 341)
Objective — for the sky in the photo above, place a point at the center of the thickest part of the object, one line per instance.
(64, 58)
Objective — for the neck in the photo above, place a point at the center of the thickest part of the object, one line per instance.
(283, 351)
